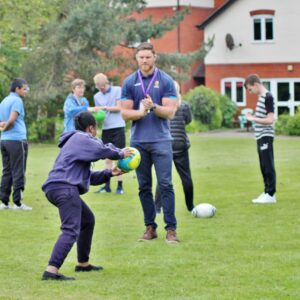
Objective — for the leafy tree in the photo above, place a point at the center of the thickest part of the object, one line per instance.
(87, 37)
(20, 20)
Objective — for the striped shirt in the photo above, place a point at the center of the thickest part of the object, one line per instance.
(264, 106)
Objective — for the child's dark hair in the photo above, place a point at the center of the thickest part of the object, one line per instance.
(17, 83)
(83, 120)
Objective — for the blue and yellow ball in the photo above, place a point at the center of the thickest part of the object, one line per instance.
(130, 163)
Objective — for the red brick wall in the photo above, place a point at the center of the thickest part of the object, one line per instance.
(215, 73)
(185, 38)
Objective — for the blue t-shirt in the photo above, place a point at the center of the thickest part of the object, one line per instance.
(112, 119)
(150, 128)
(72, 107)
(13, 103)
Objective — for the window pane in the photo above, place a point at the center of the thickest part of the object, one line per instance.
(239, 93)
(228, 91)
(283, 110)
(257, 29)
(297, 91)
(269, 29)
(283, 91)
(267, 85)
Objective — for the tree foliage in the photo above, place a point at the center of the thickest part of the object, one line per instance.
(16, 19)
(79, 38)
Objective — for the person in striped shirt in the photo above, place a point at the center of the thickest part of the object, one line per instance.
(264, 133)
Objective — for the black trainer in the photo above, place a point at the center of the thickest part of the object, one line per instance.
(52, 276)
(88, 268)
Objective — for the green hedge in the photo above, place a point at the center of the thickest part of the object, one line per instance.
(211, 108)
(287, 125)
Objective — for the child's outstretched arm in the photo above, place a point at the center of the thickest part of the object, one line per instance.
(99, 177)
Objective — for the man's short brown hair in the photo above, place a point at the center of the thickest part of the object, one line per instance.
(251, 80)
(145, 46)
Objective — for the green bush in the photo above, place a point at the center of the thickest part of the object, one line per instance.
(196, 126)
(294, 125)
(41, 130)
(288, 125)
(229, 110)
(204, 104)
(281, 124)
(211, 108)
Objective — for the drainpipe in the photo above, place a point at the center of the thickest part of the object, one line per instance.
(178, 29)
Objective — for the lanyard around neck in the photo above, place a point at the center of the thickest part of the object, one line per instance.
(145, 91)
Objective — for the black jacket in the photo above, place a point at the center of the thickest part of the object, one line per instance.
(182, 117)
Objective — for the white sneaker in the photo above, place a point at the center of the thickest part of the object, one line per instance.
(22, 207)
(4, 207)
(262, 195)
(265, 199)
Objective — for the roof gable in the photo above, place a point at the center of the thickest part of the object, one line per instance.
(216, 14)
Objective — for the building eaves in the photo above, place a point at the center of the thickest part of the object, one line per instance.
(215, 14)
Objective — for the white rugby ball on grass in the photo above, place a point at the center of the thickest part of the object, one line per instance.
(204, 210)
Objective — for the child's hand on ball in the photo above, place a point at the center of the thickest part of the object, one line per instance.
(128, 152)
(116, 171)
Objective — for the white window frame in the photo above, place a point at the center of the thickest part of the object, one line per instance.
(262, 19)
(292, 103)
(233, 81)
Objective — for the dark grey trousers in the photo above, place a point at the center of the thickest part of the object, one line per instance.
(14, 159)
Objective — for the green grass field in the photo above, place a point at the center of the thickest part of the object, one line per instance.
(245, 252)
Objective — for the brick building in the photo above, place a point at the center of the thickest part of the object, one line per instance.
(255, 36)
(186, 37)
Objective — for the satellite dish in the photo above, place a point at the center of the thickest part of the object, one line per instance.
(229, 41)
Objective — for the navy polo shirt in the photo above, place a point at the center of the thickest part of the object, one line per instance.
(150, 128)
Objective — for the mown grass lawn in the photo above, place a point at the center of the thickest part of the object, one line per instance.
(245, 252)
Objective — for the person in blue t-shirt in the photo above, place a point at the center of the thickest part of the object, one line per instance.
(75, 103)
(149, 100)
(14, 147)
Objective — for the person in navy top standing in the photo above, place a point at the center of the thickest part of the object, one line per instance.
(71, 177)
(14, 146)
(149, 100)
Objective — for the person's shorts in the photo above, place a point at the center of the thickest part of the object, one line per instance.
(116, 136)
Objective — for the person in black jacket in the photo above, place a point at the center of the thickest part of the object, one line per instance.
(180, 146)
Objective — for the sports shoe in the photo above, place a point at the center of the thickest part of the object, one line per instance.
(105, 190)
(171, 237)
(266, 198)
(22, 207)
(55, 276)
(259, 197)
(88, 268)
(4, 206)
(119, 190)
(149, 234)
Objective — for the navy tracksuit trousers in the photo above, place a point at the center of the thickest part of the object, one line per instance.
(77, 225)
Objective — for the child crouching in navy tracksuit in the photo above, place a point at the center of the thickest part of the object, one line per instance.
(69, 178)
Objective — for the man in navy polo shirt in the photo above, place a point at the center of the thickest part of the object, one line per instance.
(14, 147)
(149, 100)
